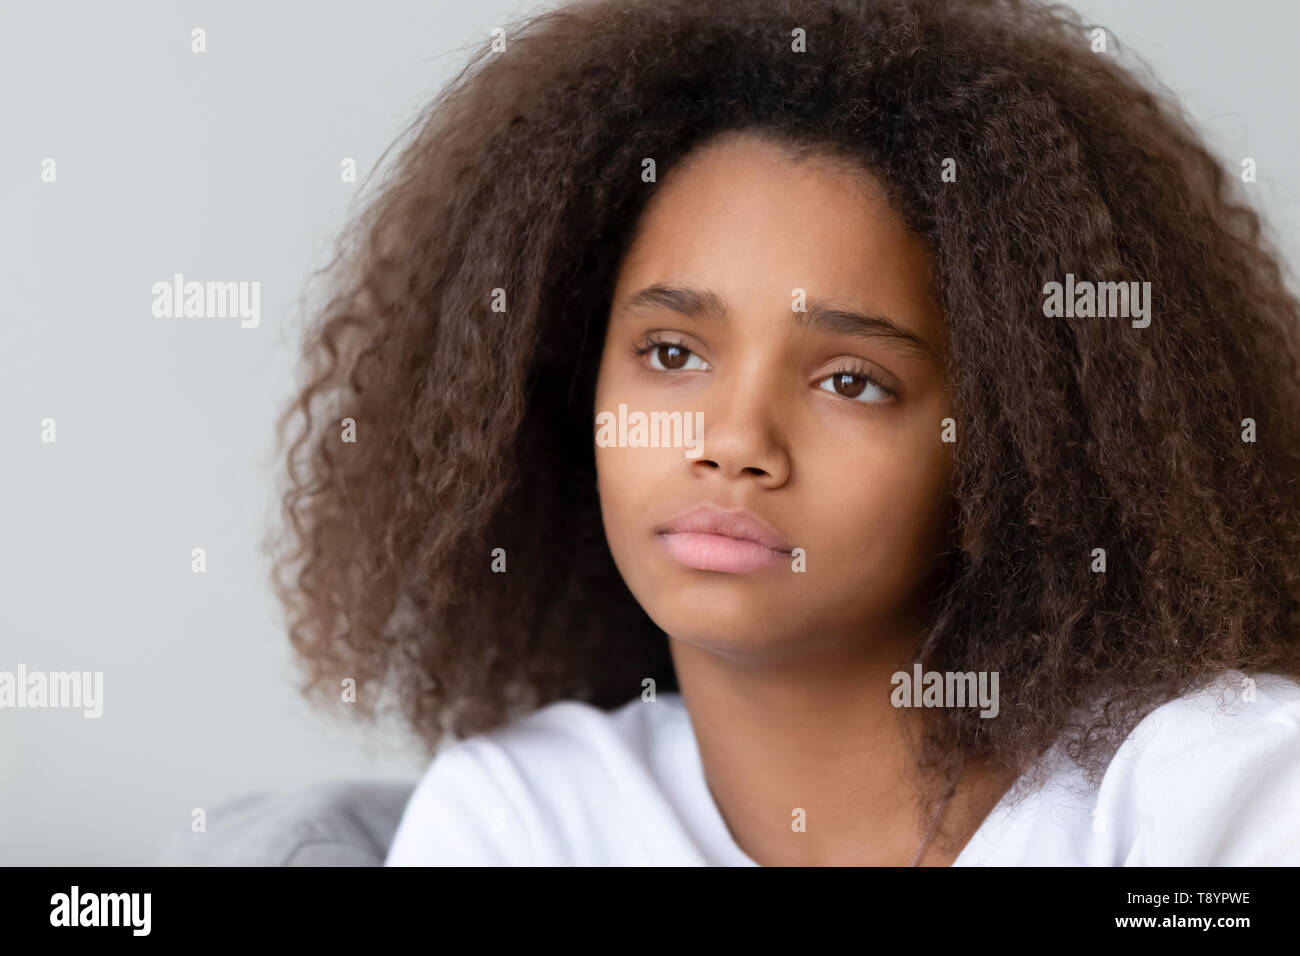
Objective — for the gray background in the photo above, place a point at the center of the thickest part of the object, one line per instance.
(226, 166)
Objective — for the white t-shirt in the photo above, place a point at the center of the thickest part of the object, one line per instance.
(1212, 778)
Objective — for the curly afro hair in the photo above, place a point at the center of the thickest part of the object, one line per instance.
(474, 427)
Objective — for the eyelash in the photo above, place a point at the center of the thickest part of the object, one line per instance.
(857, 371)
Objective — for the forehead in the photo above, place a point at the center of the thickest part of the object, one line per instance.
(743, 217)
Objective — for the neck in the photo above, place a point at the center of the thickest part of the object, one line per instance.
(807, 759)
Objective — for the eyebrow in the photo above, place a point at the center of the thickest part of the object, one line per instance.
(705, 304)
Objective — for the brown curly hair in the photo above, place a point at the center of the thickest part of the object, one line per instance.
(474, 426)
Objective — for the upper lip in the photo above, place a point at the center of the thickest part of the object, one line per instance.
(735, 523)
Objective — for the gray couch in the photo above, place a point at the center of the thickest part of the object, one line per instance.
(331, 824)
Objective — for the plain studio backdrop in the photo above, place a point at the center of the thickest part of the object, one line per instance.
(226, 165)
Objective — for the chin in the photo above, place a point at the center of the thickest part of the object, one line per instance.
(707, 617)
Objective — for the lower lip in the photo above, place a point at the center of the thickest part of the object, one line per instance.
(717, 552)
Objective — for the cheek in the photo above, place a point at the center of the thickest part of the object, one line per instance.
(626, 477)
(612, 477)
(887, 513)
(630, 483)
(630, 479)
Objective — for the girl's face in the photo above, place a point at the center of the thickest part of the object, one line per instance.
(829, 431)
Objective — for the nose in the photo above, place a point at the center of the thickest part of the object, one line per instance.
(742, 436)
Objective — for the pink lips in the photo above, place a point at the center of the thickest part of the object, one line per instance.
(712, 539)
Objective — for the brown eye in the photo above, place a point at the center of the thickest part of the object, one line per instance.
(852, 384)
(669, 356)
